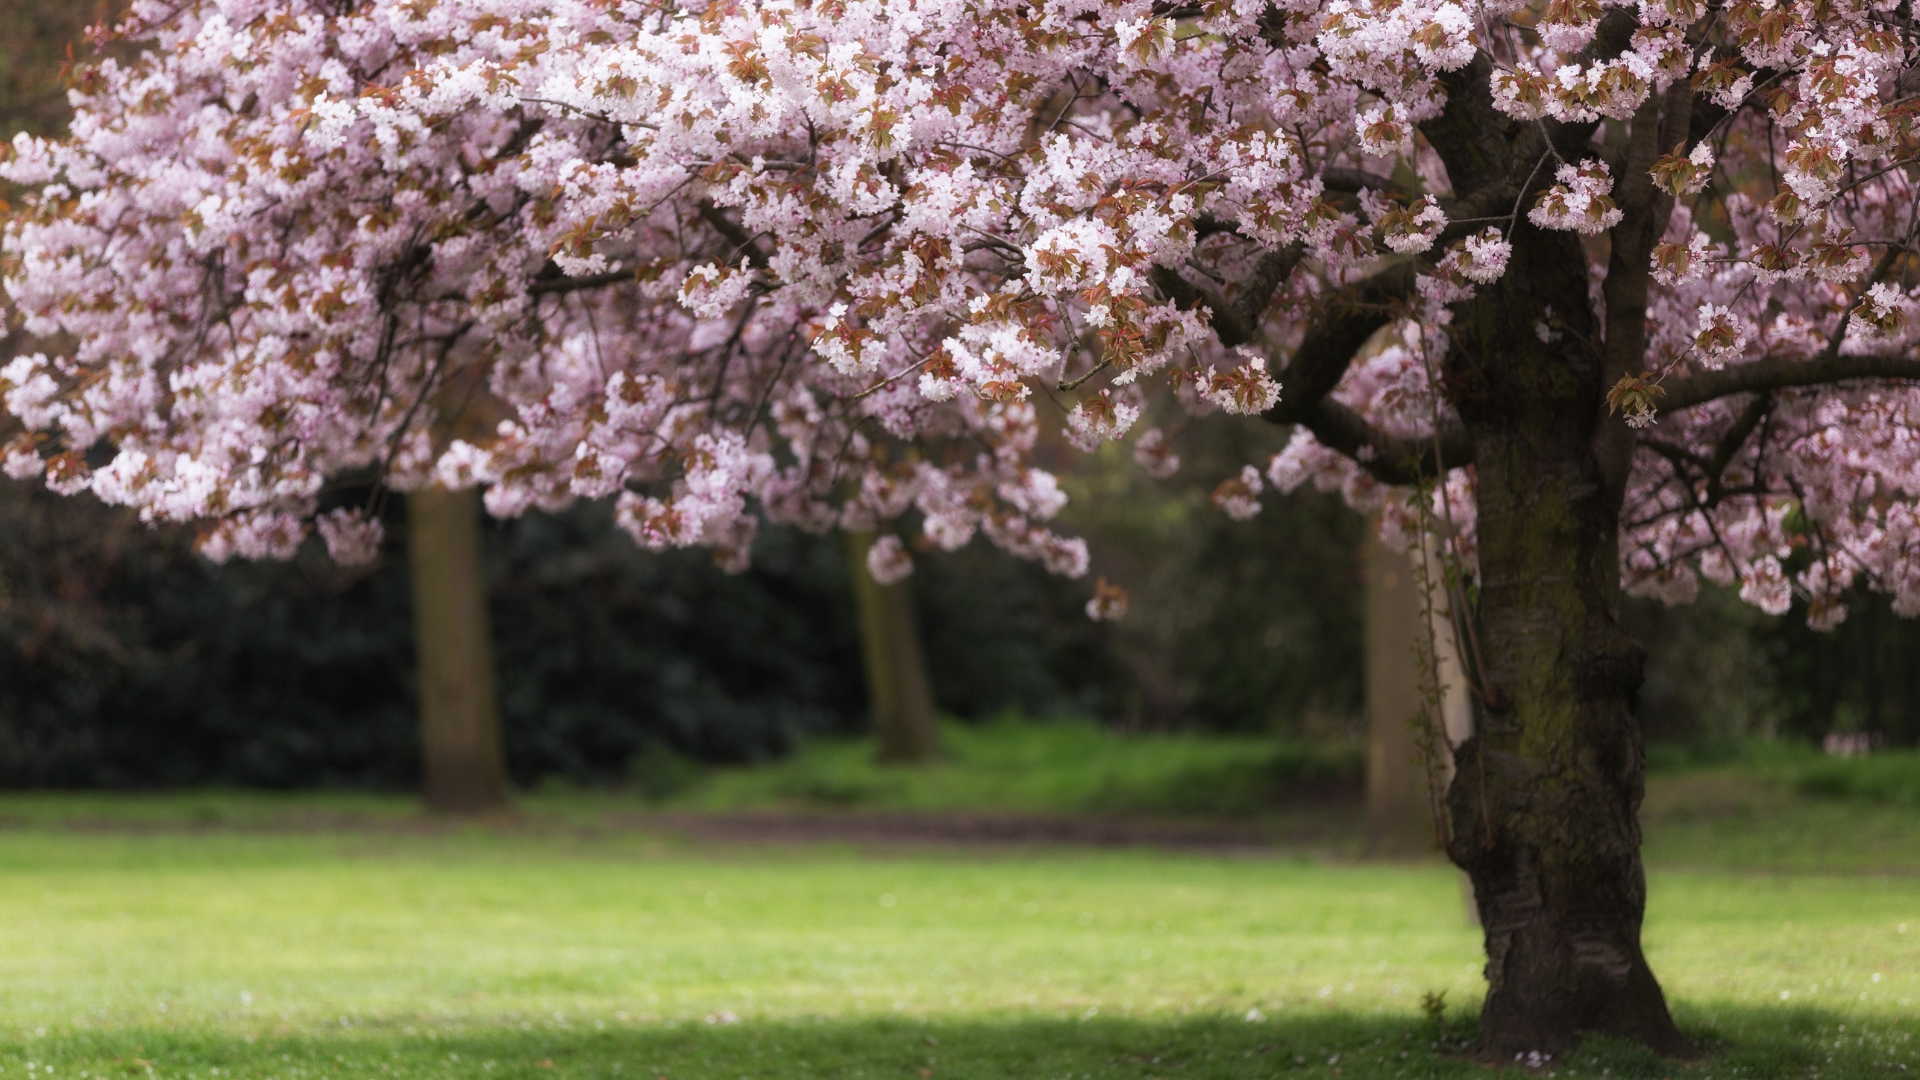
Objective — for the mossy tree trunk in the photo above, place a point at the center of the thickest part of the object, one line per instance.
(1544, 802)
(898, 690)
(463, 765)
(1545, 798)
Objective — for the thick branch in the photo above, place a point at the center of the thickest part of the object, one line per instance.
(735, 235)
(563, 284)
(1236, 321)
(1780, 373)
(1356, 180)
(1322, 358)
(1256, 293)
(1387, 459)
(1329, 346)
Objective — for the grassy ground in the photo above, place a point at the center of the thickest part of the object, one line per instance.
(1053, 768)
(220, 936)
(513, 954)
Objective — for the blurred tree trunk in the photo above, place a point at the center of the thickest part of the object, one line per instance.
(898, 690)
(1400, 817)
(462, 761)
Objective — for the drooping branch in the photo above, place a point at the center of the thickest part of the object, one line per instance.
(1783, 373)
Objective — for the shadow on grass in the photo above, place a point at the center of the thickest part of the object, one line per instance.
(1740, 1042)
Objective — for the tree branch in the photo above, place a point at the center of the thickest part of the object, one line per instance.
(1357, 180)
(1322, 358)
(1730, 444)
(563, 284)
(734, 234)
(1781, 373)
(1352, 316)
(1236, 321)
(1387, 459)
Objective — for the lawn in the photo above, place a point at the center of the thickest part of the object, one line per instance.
(299, 938)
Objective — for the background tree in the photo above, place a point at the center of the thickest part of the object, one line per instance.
(747, 256)
(463, 766)
(899, 692)
(1417, 706)
(40, 34)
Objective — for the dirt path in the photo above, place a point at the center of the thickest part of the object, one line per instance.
(1330, 827)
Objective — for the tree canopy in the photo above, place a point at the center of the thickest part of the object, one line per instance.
(696, 256)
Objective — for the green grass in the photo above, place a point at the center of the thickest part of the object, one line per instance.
(546, 950)
(1062, 767)
(1882, 778)
(217, 935)
(1891, 776)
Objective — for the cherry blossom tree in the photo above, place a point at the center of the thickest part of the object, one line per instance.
(1602, 295)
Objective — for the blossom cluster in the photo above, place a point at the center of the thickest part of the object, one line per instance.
(835, 262)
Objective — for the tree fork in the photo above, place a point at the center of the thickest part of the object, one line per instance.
(463, 765)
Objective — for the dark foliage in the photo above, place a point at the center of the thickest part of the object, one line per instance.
(1000, 634)
(127, 660)
(1236, 626)
(1719, 670)
(1862, 676)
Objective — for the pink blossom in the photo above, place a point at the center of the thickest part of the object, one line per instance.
(831, 265)
(888, 561)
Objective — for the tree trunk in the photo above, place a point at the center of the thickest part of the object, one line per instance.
(463, 765)
(1400, 811)
(898, 691)
(1544, 802)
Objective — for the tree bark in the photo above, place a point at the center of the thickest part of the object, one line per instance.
(898, 691)
(1544, 803)
(463, 765)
